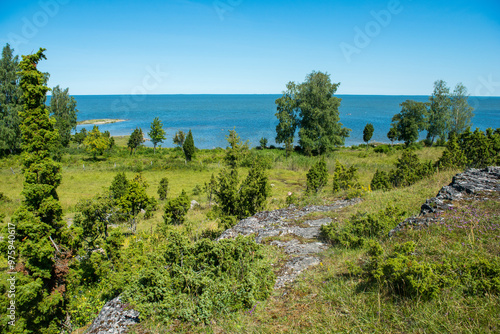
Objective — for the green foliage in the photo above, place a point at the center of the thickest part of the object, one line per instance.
(409, 170)
(263, 143)
(439, 111)
(461, 112)
(361, 227)
(163, 188)
(92, 218)
(453, 156)
(407, 124)
(79, 137)
(179, 138)
(209, 188)
(368, 132)
(119, 186)
(63, 108)
(197, 281)
(343, 177)
(157, 134)
(38, 225)
(317, 177)
(311, 107)
(95, 142)
(236, 151)
(10, 102)
(135, 140)
(481, 149)
(176, 209)
(382, 149)
(188, 146)
(380, 181)
(392, 135)
(135, 199)
(246, 199)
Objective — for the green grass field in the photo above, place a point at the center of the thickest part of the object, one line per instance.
(326, 299)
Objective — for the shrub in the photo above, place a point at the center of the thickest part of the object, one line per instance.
(344, 177)
(197, 281)
(380, 181)
(176, 209)
(163, 188)
(409, 170)
(453, 156)
(382, 149)
(317, 177)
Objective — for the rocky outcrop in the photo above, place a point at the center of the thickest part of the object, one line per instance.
(114, 318)
(471, 184)
(302, 236)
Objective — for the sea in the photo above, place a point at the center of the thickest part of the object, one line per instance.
(211, 117)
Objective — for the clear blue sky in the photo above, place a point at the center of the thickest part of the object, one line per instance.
(257, 46)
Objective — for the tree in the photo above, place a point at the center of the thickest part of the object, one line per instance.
(119, 186)
(439, 111)
(135, 140)
(287, 115)
(255, 190)
(163, 188)
(209, 189)
(263, 143)
(179, 138)
(188, 146)
(157, 134)
(79, 137)
(311, 107)
(41, 246)
(63, 108)
(135, 199)
(392, 135)
(410, 121)
(368, 132)
(236, 150)
(317, 177)
(10, 102)
(461, 112)
(95, 142)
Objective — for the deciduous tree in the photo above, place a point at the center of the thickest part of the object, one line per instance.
(368, 132)
(63, 108)
(461, 111)
(96, 142)
(312, 108)
(157, 134)
(410, 121)
(135, 140)
(439, 111)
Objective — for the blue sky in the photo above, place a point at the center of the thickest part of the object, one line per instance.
(255, 46)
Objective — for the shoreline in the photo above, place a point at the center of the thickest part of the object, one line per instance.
(100, 121)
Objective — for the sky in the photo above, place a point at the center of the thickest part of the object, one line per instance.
(99, 47)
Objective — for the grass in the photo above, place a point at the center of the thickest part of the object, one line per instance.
(327, 298)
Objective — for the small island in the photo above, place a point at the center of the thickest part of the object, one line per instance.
(100, 121)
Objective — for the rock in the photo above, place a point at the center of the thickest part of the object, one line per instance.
(194, 204)
(473, 182)
(114, 318)
(283, 222)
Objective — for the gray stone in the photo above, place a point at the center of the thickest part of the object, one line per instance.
(114, 318)
(470, 183)
(293, 268)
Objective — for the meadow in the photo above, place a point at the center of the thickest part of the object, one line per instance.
(332, 297)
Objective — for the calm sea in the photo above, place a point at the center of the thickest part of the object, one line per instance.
(210, 117)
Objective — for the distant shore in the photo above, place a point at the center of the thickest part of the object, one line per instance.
(100, 121)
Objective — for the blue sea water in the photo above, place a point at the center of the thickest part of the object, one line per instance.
(210, 117)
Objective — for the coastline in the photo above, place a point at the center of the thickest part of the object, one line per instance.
(100, 121)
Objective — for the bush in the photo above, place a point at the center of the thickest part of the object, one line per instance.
(362, 226)
(344, 177)
(382, 149)
(317, 177)
(197, 281)
(409, 170)
(380, 181)
(176, 209)
(163, 188)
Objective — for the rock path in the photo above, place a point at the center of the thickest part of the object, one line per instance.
(303, 246)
